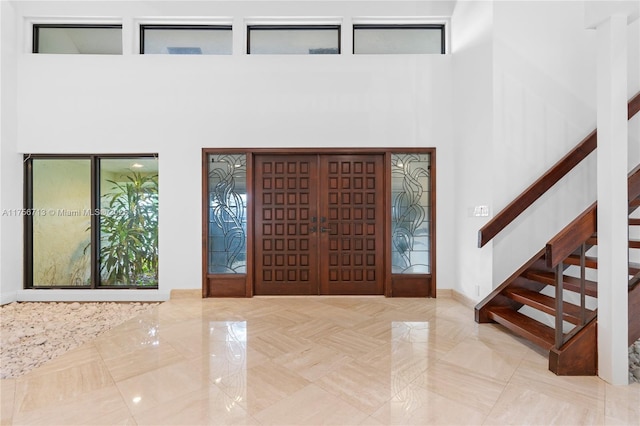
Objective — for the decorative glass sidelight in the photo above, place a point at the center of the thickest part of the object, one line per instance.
(410, 213)
(227, 190)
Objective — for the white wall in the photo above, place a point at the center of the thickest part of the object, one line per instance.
(472, 50)
(544, 94)
(634, 87)
(516, 94)
(10, 162)
(175, 105)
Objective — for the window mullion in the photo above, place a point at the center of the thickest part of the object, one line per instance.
(95, 221)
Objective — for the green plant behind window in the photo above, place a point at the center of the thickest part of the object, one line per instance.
(129, 232)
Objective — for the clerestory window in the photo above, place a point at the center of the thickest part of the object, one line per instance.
(399, 39)
(82, 39)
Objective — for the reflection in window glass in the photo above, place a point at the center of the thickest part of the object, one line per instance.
(61, 222)
(398, 39)
(227, 188)
(301, 40)
(128, 222)
(410, 213)
(185, 40)
(78, 39)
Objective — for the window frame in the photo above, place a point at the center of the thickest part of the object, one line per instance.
(95, 219)
(35, 33)
(442, 27)
(297, 27)
(211, 27)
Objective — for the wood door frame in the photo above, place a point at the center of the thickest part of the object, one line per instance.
(242, 285)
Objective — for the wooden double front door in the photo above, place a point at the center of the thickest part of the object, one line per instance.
(319, 224)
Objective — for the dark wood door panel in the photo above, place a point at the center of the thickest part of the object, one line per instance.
(285, 237)
(352, 247)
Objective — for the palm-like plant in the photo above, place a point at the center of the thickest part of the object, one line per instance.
(129, 232)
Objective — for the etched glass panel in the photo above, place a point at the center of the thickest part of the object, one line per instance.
(227, 188)
(411, 214)
(61, 222)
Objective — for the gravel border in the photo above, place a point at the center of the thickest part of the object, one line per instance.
(33, 333)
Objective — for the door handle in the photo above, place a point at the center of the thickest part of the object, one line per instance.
(323, 229)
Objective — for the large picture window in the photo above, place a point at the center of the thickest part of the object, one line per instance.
(91, 222)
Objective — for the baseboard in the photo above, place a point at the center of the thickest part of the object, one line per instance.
(97, 295)
(8, 297)
(466, 301)
(444, 293)
(186, 294)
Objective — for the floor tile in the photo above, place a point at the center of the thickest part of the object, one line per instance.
(7, 396)
(154, 388)
(458, 384)
(416, 405)
(139, 361)
(311, 405)
(360, 386)
(205, 406)
(622, 404)
(104, 406)
(310, 360)
(475, 355)
(313, 362)
(536, 403)
(261, 386)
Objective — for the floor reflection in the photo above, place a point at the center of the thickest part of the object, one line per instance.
(228, 360)
(310, 360)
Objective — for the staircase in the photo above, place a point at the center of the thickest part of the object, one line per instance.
(551, 300)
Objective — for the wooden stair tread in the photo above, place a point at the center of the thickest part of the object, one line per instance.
(633, 243)
(590, 262)
(569, 283)
(544, 303)
(522, 325)
(634, 221)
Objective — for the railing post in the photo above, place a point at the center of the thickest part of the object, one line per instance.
(559, 305)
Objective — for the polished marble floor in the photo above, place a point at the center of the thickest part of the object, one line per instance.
(310, 361)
